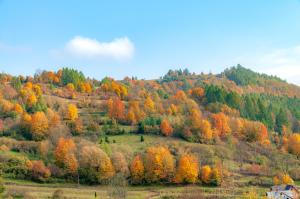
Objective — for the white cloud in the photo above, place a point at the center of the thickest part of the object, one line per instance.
(284, 63)
(119, 48)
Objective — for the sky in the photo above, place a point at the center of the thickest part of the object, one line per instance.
(145, 39)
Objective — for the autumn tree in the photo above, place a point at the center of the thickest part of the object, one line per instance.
(119, 89)
(159, 165)
(206, 130)
(195, 119)
(18, 108)
(134, 114)
(263, 135)
(65, 155)
(137, 170)
(76, 127)
(166, 128)
(197, 93)
(39, 171)
(131, 117)
(172, 110)
(6, 106)
(206, 174)
(95, 164)
(149, 105)
(53, 118)
(216, 176)
(294, 144)
(282, 178)
(220, 123)
(187, 169)
(72, 113)
(180, 96)
(70, 87)
(116, 109)
(120, 164)
(39, 125)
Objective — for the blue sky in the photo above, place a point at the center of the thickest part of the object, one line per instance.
(146, 38)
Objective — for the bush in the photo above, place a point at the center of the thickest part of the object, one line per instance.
(40, 172)
(261, 181)
(15, 166)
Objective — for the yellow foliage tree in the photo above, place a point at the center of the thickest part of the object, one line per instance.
(149, 104)
(70, 87)
(206, 174)
(159, 164)
(206, 130)
(282, 178)
(39, 125)
(294, 144)
(72, 113)
(188, 169)
(137, 170)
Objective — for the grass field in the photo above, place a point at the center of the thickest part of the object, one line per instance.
(35, 190)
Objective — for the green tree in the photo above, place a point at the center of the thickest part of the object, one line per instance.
(281, 119)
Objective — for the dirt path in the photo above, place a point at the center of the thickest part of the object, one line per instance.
(153, 194)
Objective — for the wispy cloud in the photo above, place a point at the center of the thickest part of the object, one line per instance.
(87, 48)
(284, 63)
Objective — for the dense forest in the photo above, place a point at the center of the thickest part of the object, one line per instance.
(63, 127)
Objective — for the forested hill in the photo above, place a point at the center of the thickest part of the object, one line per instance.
(59, 121)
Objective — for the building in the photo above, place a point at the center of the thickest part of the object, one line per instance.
(283, 192)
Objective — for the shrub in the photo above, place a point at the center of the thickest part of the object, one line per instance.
(39, 171)
(15, 166)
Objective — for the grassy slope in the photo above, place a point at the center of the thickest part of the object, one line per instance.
(130, 144)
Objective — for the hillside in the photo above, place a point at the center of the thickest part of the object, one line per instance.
(234, 129)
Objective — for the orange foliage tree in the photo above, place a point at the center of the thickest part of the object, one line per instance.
(18, 108)
(159, 165)
(205, 174)
(197, 93)
(187, 170)
(39, 171)
(294, 144)
(137, 170)
(39, 125)
(116, 108)
(220, 122)
(65, 155)
(166, 128)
